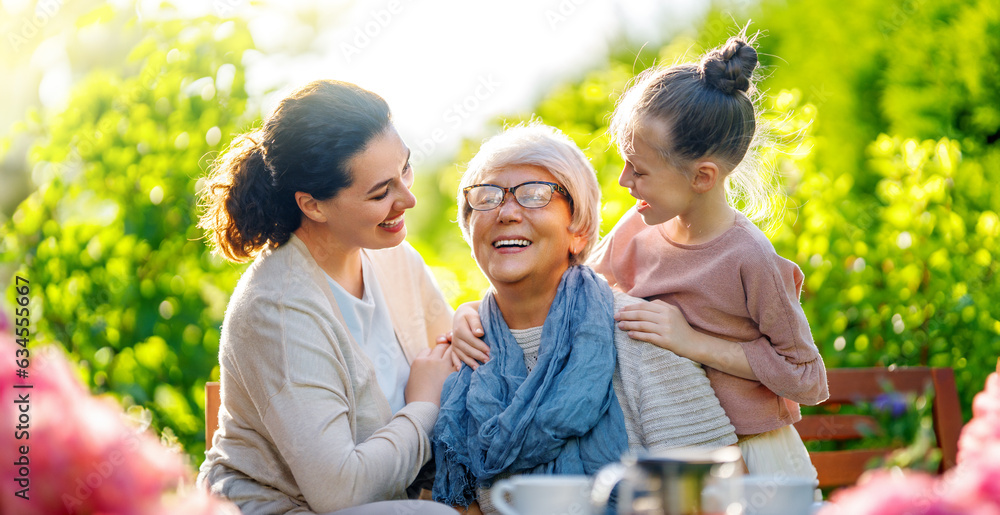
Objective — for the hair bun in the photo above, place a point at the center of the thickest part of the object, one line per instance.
(730, 68)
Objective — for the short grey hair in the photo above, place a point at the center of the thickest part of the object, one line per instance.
(546, 147)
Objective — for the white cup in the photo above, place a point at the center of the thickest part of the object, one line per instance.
(543, 495)
(777, 495)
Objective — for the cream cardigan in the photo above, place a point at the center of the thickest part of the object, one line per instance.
(304, 426)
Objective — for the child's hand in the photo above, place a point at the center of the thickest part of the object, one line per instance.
(664, 325)
(465, 336)
(658, 323)
(445, 339)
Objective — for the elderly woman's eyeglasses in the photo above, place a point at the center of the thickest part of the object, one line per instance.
(532, 195)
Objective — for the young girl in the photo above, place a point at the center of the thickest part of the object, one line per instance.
(721, 296)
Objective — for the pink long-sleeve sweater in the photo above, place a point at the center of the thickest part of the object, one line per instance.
(735, 287)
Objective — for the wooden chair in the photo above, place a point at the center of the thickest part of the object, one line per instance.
(213, 402)
(850, 385)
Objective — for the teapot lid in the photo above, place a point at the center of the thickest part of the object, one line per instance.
(689, 458)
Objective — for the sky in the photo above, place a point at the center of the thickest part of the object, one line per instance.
(446, 67)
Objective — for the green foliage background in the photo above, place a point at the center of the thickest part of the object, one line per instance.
(886, 117)
(119, 273)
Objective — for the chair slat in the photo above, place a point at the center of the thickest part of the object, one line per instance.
(841, 468)
(836, 427)
(850, 385)
(947, 416)
(213, 401)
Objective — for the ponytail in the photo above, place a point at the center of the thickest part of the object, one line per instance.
(242, 212)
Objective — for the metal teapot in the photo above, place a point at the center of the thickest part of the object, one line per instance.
(671, 482)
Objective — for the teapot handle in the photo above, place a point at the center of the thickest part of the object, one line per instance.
(498, 495)
(604, 482)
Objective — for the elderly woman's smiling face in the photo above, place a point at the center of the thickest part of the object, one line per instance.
(514, 245)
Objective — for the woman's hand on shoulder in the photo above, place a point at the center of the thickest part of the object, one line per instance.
(465, 336)
(427, 374)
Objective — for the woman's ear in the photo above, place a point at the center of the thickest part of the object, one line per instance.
(310, 207)
(577, 243)
(706, 175)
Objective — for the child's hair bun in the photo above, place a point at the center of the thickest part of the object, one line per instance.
(730, 68)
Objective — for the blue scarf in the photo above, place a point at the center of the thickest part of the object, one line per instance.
(562, 418)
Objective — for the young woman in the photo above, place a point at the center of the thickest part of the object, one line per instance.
(330, 380)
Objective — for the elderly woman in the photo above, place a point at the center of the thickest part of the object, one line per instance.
(564, 391)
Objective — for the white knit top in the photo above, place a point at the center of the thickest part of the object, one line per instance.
(667, 400)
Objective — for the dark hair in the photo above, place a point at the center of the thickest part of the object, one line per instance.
(305, 145)
(706, 106)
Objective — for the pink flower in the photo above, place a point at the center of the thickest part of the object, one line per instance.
(976, 481)
(196, 501)
(991, 392)
(76, 453)
(987, 402)
(978, 433)
(886, 493)
(985, 424)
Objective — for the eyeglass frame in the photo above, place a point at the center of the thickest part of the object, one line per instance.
(555, 188)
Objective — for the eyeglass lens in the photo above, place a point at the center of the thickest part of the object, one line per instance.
(531, 195)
